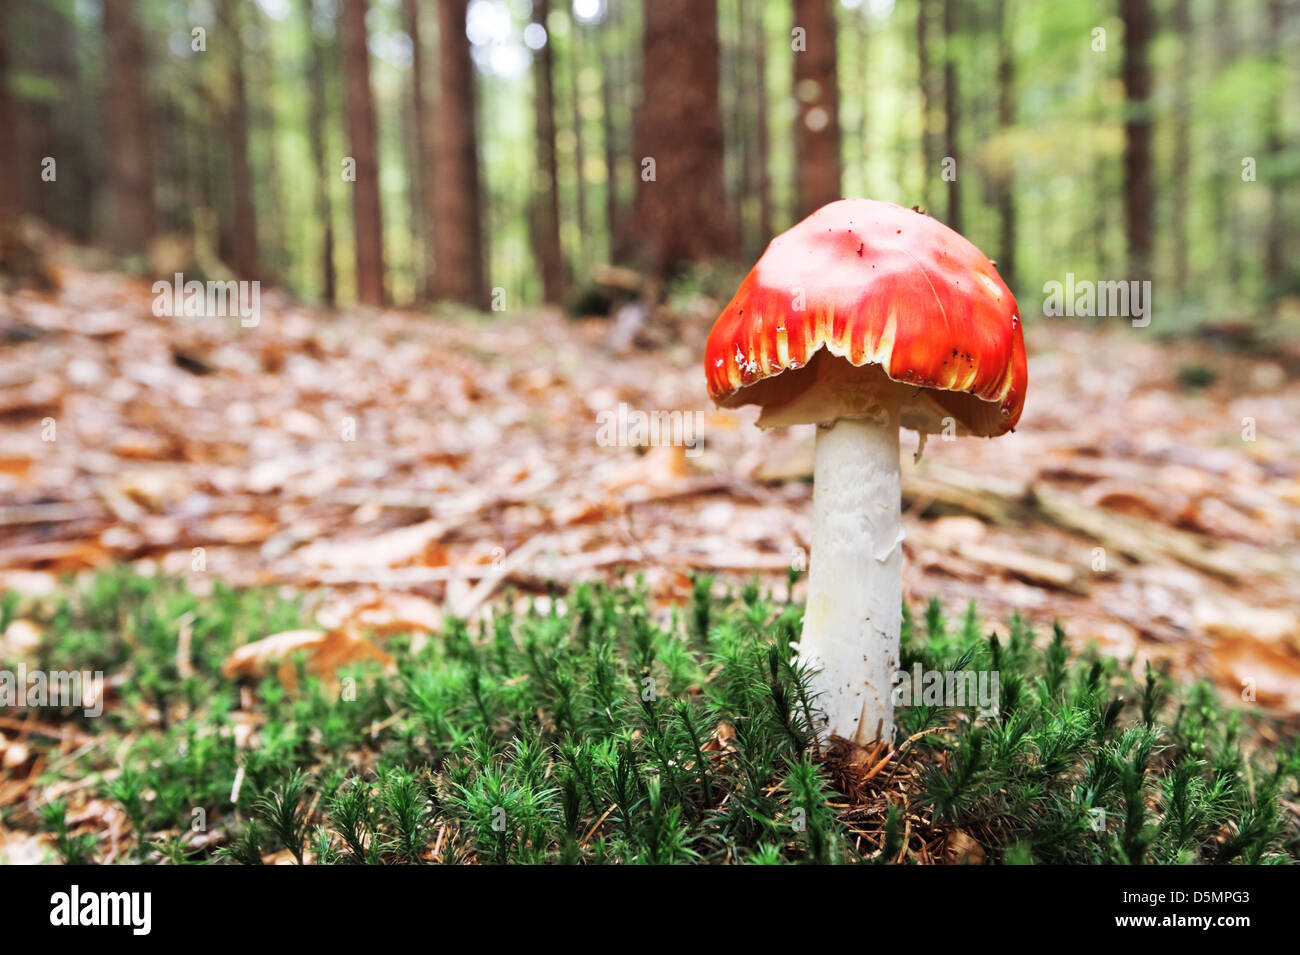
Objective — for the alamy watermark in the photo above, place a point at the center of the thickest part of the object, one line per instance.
(194, 299)
(626, 427)
(56, 688)
(133, 910)
(1084, 298)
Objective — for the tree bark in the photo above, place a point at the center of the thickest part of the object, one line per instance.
(38, 133)
(1138, 187)
(367, 222)
(743, 121)
(11, 201)
(1005, 193)
(244, 223)
(579, 141)
(1274, 237)
(763, 145)
(608, 131)
(1227, 178)
(864, 76)
(458, 236)
(317, 111)
(422, 173)
(680, 213)
(1180, 17)
(817, 123)
(131, 222)
(952, 113)
(546, 194)
(925, 84)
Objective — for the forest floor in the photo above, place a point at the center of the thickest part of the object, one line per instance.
(399, 466)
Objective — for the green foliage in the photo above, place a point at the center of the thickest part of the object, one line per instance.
(604, 731)
(73, 849)
(1075, 773)
(282, 810)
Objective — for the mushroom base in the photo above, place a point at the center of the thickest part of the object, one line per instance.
(855, 581)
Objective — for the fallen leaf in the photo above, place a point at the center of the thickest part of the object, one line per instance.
(325, 652)
(960, 848)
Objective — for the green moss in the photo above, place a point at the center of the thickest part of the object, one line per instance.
(599, 730)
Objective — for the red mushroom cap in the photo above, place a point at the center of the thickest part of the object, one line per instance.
(878, 285)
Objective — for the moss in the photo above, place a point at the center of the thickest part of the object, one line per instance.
(599, 731)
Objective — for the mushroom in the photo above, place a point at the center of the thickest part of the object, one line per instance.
(864, 318)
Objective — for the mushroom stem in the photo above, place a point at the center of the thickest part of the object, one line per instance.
(855, 581)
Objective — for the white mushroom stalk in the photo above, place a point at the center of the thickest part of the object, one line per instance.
(855, 581)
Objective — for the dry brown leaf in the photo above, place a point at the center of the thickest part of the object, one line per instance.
(325, 652)
(960, 848)
(1259, 673)
(721, 740)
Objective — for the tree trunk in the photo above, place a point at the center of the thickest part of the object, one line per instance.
(1182, 155)
(607, 131)
(864, 76)
(743, 123)
(1138, 187)
(263, 125)
(130, 162)
(1274, 239)
(366, 217)
(244, 222)
(317, 111)
(579, 141)
(1005, 193)
(10, 164)
(763, 146)
(422, 174)
(680, 213)
(1227, 178)
(817, 123)
(546, 201)
(925, 84)
(37, 134)
(952, 113)
(458, 237)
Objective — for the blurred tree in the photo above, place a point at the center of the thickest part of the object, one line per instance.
(1181, 22)
(1226, 171)
(1138, 190)
(129, 150)
(245, 249)
(422, 170)
(1066, 137)
(48, 46)
(762, 163)
(546, 193)
(10, 161)
(608, 63)
(952, 113)
(1274, 242)
(925, 85)
(324, 169)
(1004, 191)
(680, 214)
(458, 229)
(747, 67)
(362, 140)
(265, 147)
(579, 140)
(817, 125)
